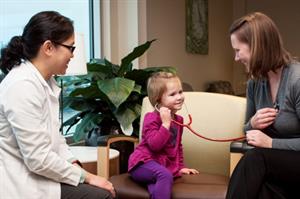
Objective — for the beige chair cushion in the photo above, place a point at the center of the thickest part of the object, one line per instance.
(202, 186)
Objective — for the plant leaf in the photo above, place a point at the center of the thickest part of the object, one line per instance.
(137, 88)
(140, 76)
(72, 120)
(117, 89)
(102, 69)
(126, 64)
(91, 91)
(126, 115)
(128, 130)
(78, 103)
(88, 122)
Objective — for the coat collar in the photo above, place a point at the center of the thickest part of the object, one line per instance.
(50, 85)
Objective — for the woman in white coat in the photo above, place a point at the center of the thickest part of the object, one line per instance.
(34, 158)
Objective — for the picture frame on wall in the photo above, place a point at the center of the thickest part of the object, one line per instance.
(197, 26)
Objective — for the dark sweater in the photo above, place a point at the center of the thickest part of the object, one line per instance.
(285, 130)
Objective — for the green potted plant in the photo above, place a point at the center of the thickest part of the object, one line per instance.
(108, 99)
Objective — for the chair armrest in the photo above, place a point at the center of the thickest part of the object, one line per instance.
(103, 151)
(106, 140)
(239, 147)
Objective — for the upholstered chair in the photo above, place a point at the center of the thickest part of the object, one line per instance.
(217, 116)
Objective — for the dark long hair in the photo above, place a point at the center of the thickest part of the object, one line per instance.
(47, 25)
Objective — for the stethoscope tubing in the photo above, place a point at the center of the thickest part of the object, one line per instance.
(189, 127)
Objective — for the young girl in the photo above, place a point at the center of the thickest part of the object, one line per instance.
(159, 156)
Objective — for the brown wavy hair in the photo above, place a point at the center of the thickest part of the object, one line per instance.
(265, 43)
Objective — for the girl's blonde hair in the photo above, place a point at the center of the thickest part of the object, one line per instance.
(157, 85)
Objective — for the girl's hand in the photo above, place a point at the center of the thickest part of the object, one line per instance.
(101, 182)
(188, 171)
(258, 139)
(165, 115)
(263, 118)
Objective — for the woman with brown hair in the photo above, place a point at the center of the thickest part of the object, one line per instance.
(272, 126)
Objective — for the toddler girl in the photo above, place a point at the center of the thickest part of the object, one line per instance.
(159, 156)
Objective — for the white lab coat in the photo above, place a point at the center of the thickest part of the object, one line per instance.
(33, 153)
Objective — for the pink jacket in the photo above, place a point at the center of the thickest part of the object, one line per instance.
(156, 144)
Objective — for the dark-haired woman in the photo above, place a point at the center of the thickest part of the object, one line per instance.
(34, 158)
(272, 168)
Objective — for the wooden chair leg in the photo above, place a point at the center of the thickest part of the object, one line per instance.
(234, 159)
(103, 161)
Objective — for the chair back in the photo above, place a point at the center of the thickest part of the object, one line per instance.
(216, 116)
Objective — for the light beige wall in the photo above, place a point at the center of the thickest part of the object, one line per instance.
(166, 22)
(119, 29)
(239, 71)
(286, 15)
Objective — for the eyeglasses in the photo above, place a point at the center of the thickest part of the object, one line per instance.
(70, 48)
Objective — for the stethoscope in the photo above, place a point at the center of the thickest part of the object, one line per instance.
(189, 127)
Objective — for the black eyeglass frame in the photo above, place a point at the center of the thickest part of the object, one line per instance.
(70, 48)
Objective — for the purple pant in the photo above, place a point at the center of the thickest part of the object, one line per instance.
(157, 177)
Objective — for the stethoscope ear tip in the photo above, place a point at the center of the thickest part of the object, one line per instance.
(156, 107)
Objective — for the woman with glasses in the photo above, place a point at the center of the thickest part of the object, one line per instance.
(34, 158)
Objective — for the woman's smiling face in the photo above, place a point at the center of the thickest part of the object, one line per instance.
(241, 50)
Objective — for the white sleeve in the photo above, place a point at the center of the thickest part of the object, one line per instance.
(64, 150)
(24, 111)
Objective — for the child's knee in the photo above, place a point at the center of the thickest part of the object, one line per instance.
(167, 176)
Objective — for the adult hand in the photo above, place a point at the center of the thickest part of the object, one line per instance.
(263, 118)
(165, 115)
(258, 139)
(188, 171)
(101, 182)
